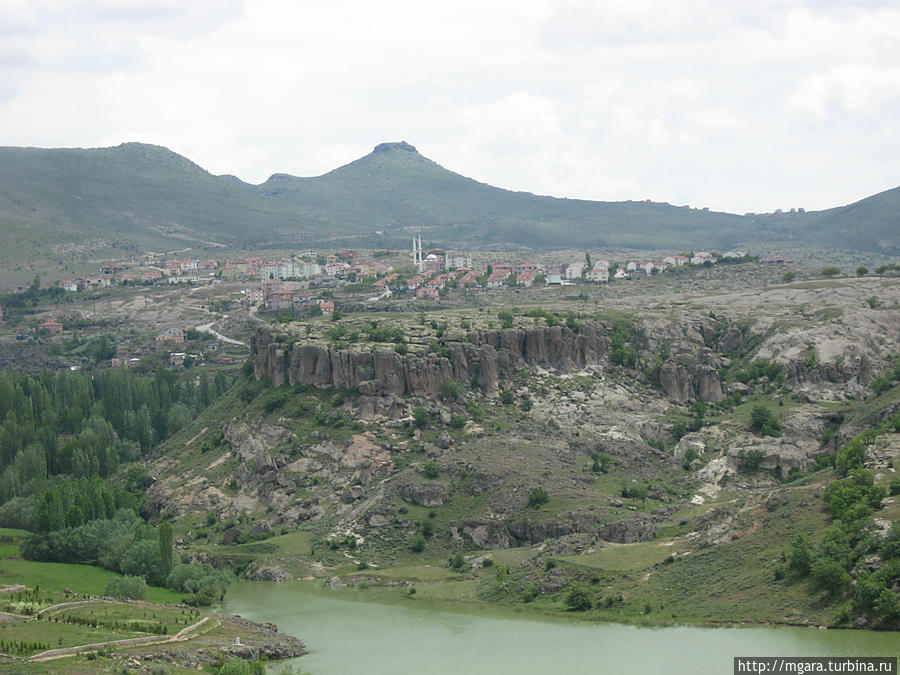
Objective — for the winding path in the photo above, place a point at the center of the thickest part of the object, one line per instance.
(181, 636)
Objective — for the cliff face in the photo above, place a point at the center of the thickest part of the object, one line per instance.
(485, 358)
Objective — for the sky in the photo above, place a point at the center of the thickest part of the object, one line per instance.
(737, 106)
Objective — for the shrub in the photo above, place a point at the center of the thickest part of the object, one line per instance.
(456, 562)
(457, 420)
(788, 277)
(763, 422)
(600, 462)
(526, 405)
(421, 416)
(895, 486)
(507, 397)
(133, 588)
(800, 556)
(750, 460)
(538, 497)
(578, 599)
(431, 469)
(862, 271)
(475, 410)
(418, 544)
(830, 272)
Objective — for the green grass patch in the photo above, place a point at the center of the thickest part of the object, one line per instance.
(79, 578)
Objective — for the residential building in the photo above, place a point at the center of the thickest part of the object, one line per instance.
(175, 334)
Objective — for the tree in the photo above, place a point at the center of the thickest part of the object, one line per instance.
(800, 556)
(763, 422)
(133, 588)
(830, 272)
(830, 575)
(862, 271)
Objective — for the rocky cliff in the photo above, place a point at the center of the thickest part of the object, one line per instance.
(485, 358)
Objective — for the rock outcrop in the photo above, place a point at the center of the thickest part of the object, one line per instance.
(483, 358)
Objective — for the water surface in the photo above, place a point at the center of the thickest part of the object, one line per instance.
(347, 633)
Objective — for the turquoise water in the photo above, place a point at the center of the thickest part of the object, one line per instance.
(347, 633)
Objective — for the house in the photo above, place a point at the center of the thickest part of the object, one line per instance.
(176, 358)
(574, 270)
(69, 285)
(255, 295)
(52, 327)
(327, 306)
(175, 334)
(734, 254)
(620, 274)
(554, 279)
(469, 279)
(599, 274)
(280, 300)
(97, 281)
(526, 277)
(703, 257)
(427, 293)
(117, 362)
(677, 260)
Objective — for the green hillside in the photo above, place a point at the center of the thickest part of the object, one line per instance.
(141, 195)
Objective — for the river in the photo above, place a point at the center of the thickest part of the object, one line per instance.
(347, 633)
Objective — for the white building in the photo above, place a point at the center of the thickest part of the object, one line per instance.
(574, 270)
(599, 274)
(457, 260)
(284, 269)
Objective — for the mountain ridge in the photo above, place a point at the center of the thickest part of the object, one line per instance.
(149, 195)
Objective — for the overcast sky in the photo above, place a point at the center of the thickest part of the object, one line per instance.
(737, 105)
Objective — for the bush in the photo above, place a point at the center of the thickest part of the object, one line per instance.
(421, 416)
(133, 588)
(830, 272)
(763, 422)
(750, 460)
(456, 562)
(894, 488)
(431, 469)
(830, 576)
(418, 544)
(578, 599)
(600, 462)
(800, 556)
(538, 497)
(457, 420)
(507, 397)
(862, 271)
(788, 277)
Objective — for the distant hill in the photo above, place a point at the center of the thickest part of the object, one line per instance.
(137, 195)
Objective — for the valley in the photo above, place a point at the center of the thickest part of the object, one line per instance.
(660, 450)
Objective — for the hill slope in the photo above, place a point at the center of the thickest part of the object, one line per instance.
(144, 195)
